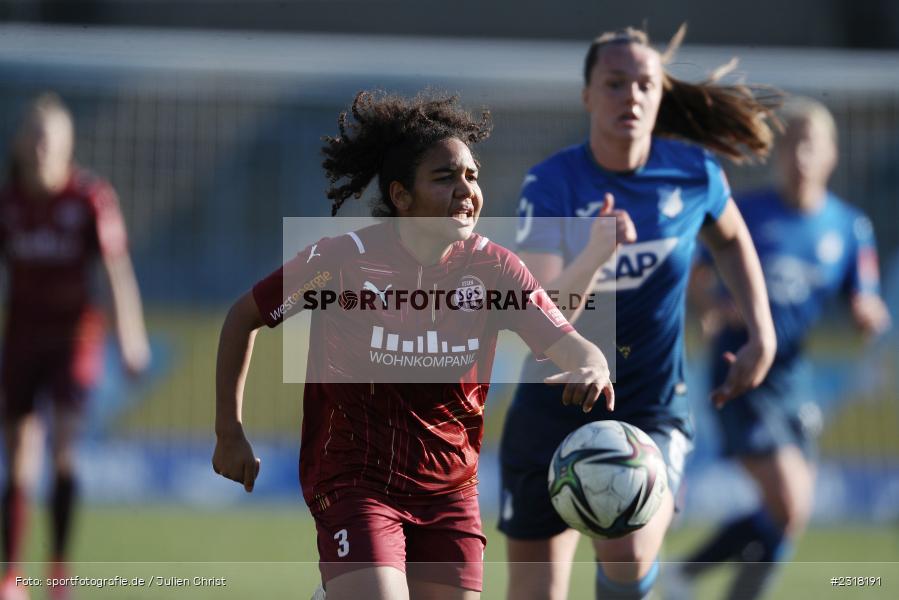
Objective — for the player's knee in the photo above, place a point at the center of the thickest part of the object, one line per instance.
(790, 510)
(64, 466)
(796, 517)
(626, 560)
(537, 581)
(63, 460)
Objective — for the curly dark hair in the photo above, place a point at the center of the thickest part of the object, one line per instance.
(387, 136)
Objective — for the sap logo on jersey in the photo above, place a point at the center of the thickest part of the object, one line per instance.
(636, 262)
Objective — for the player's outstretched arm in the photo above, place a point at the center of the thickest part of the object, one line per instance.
(576, 279)
(233, 457)
(585, 372)
(129, 313)
(738, 264)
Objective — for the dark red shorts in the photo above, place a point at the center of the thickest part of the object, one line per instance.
(438, 540)
(64, 373)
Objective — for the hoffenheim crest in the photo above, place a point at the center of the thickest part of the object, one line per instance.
(670, 202)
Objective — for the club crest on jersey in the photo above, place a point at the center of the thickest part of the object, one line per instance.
(790, 280)
(636, 262)
(830, 248)
(670, 202)
(470, 294)
(70, 215)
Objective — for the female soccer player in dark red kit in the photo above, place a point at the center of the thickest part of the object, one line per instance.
(388, 461)
(56, 221)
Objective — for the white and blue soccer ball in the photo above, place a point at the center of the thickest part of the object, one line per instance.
(607, 479)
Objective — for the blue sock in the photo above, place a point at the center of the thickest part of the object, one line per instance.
(606, 589)
(754, 537)
(760, 559)
(771, 544)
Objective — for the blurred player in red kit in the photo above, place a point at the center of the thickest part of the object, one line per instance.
(56, 222)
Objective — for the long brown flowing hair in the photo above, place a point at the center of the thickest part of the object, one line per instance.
(734, 120)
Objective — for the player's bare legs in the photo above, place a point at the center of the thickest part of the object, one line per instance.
(759, 541)
(541, 569)
(23, 438)
(376, 583)
(429, 590)
(786, 480)
(630, 558)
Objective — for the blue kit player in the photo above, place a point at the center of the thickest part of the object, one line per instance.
(646, 163)
(813, 247)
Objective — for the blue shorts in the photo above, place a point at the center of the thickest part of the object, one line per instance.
(530, 439)
(780, 412)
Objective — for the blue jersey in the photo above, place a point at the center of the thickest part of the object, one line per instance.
(679, 189)
(807, 260)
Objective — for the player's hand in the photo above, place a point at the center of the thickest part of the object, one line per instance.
(748, 369)
(234, 459)
(584, 386)
(870, 314)
(136, 358)
(600, 239)
(625, 231)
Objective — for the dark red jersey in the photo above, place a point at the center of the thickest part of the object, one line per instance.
(49, 247)
(395, 390)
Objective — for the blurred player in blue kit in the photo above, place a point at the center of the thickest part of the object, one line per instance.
(813, 247)
(647, 163)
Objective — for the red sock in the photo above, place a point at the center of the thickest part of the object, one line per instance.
(14, 514)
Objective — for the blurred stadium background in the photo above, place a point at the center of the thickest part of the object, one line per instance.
(212, 135)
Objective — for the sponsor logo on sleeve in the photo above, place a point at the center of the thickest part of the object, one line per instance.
(319, 281)
(542, 301)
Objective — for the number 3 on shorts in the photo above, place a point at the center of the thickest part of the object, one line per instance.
(343, 546)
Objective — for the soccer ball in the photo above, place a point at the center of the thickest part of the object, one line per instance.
(607, 479)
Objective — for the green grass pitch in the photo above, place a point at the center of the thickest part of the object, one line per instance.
(269, 552)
